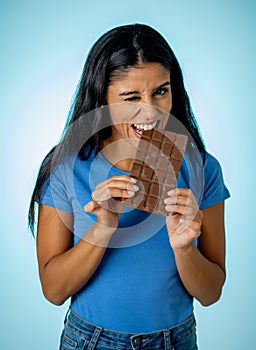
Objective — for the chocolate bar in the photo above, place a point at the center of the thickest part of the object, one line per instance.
(156, 167)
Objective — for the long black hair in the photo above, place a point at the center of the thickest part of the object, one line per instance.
(115, 51)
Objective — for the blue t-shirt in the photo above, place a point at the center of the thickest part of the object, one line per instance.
(136, 288)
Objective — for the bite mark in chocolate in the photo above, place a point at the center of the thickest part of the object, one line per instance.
(156, 167)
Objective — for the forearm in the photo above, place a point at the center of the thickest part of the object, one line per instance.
(202, 278)
(68, 272)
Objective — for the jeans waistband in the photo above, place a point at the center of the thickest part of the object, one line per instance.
(86, 329)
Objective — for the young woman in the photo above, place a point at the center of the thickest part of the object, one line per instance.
(131, 275)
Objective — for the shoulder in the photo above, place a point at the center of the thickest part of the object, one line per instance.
(215, 190)
(212, 169)
(66, 175)
(211, 162)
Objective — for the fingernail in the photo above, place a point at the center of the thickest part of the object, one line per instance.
(133, 180)
(168, 207)
(166, 200)
(130, 193)
(171, 192)
(132, 187)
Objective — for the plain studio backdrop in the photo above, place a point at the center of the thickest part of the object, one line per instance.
(43, 48)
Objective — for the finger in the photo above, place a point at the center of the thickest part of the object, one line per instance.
(190, 232)
(182, 210)
(114, 206)
(190, 223)
(199, 216)
(123, 177)
(105, 187)
(107, 193)
(119, 192)
(115, 189)
(122, 185)
(128, 186)
(178, 191)
(179, 200)
(173, 219)
(184, 192)
(119, 178)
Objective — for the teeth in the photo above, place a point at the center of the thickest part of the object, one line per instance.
(145, 126)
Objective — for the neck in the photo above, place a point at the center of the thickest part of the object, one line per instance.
(119, 153)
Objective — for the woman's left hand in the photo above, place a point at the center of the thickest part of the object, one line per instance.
(184, 220)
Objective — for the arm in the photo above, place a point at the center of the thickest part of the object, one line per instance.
(202, 268)
(64, 268)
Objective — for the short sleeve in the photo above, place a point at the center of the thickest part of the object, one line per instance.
(215, 190)
(55, 191)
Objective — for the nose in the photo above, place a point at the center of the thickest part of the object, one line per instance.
(147, 112)
(146, 100)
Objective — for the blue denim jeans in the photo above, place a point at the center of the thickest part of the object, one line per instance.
(79, 334)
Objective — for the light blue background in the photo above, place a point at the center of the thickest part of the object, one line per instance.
(43, 47)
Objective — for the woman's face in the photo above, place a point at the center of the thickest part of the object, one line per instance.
(144, 87)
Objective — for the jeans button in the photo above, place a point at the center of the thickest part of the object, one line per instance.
(137, 341)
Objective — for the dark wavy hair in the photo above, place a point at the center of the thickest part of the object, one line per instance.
(115, 51)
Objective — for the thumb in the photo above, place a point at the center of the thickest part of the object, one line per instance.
(91, 206)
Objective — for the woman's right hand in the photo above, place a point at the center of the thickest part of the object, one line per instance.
(107, 199)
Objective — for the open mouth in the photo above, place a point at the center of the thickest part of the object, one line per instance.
(138, 128)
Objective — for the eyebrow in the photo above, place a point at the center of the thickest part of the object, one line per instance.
(127, 93)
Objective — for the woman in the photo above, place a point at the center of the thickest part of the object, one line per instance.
(131, 275)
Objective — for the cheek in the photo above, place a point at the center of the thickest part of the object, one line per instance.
(170, 100)
(122, 129)
(166, 104)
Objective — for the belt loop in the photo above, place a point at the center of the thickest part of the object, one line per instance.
(66, 316)
(167, 339)
(94, 338)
